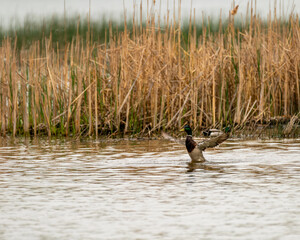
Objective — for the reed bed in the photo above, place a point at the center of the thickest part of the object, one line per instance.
(152, 77)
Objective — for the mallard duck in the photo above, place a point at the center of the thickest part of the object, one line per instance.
(195, 150)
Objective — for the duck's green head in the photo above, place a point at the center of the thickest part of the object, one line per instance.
(187, 129)
(227, 129)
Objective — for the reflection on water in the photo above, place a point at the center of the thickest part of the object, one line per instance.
(61, 189)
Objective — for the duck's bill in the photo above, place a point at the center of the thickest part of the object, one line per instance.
(182, 130)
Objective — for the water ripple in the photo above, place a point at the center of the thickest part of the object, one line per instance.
(148, 190)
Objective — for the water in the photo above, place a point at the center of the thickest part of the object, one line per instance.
(148, 190)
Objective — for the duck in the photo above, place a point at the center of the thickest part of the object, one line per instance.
(212, 132)
(194, 149)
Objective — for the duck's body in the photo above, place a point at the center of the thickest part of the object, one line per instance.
(195, 150)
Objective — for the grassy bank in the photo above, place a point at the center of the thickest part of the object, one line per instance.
(62, 30)
(140, 78)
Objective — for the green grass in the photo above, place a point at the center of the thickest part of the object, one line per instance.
(63, 30)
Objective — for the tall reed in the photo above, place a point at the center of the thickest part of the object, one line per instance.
(152, 77)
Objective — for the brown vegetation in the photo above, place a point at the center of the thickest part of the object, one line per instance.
(148, 79)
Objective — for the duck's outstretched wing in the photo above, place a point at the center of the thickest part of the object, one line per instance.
(168, 137)
(213, 142)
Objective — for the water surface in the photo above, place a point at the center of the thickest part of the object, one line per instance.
(92, 189)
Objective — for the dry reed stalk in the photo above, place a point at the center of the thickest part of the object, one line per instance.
(240, 86)
(46, 105)
(193, 70)
(248, 111)
(29, 91)
(68, 83)
(286, 92)
(125, 76)
(297, 65)
(179, 59)
(89, 50)
(56, 82)
(36, 88)
(4, 85)
(24, 92)
(262, 90)
(80, 79)
(1, 92)
(155, 77)
(96, 101)
(89, 96)
(213, 98)
(14, 90)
